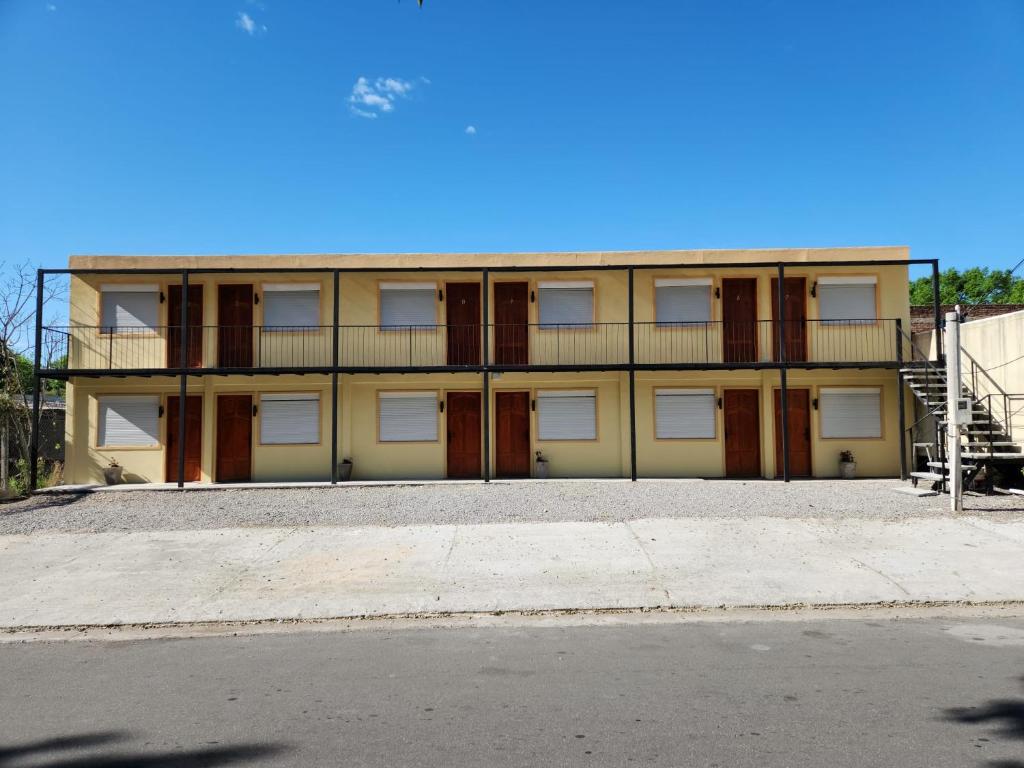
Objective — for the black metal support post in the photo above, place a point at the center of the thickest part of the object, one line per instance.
(183, 383)
(37, 383)
(632, 386)
(486, 405)
(334, 384)
(901, 399)
(937, 308)
(783, 369)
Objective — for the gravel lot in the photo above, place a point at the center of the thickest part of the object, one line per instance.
(498, 502)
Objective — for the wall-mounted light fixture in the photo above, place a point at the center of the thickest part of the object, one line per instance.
(255, 409)
(533, 297)
(533, 405)
(719, 401)
(255, 298)
(718, 292)
(440, 295)
(814, 289)
(440, 405)
(162, 297)
(160, 411)
(814, 403)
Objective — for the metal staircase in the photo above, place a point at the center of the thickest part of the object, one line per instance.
(991, 459)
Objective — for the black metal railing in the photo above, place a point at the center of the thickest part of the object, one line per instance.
(511, 346)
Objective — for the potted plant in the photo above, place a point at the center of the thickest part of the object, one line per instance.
(112, 472)
(541, 472)
(345, 471)
(847, 465)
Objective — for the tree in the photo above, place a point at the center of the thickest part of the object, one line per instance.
(977, 285)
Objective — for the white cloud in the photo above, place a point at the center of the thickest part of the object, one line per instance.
(248, 24)
(51, 7)
(471, 130)
(371, 98)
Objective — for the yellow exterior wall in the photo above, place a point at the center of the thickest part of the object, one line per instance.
(608, 456)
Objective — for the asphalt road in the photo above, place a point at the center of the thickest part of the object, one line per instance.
(831, 693)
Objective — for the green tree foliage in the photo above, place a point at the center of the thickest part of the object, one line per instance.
(977, 285)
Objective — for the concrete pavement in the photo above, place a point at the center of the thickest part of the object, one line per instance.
(330, 572)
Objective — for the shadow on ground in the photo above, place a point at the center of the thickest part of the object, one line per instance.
(52, 753)
(1005, 715)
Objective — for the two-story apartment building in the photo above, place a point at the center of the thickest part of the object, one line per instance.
(615, 364)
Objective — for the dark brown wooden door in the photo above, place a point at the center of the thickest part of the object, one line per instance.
(193, 438)
(462, 313)
(739, 320)
(234, 321)
(195, 326)
(234, 438)
(796, 318)
(512, 434)
(798, 403)
(463, 421)
(511, 319)
(742, 433)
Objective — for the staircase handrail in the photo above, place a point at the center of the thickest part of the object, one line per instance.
(976, 366)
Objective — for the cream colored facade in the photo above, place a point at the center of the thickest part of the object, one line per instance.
(362, 344)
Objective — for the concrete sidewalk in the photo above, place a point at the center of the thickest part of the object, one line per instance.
(333, 572)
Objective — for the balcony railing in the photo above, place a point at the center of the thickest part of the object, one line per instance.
(448, 347)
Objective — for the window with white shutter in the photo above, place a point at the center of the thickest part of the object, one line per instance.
(567, 415)
(681, 302)
(566, 304)
(408, 304)
(851, 412)
(407, 417)
(128, 420)
(291, 306)
(290, 419)
(128, 307)
(847, 300)
(684, 413)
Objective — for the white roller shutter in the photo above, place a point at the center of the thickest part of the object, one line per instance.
(129, 420)
(290, 305)
(129, 306)
(407, 417)
(566, 303)
(854, 412)
(290, 419)
(567, 415)
(684, 413)
(404, 304)
(679, 301)
(846, 299)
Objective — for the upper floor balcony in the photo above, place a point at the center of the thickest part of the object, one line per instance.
(97, 350)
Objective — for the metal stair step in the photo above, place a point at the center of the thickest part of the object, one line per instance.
(999, 443)
(985, 455)
(945, 465)
(932, 476)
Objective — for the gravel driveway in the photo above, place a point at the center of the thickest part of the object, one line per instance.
(497, 502)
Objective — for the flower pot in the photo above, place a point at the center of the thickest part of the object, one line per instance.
(541, 472)
(848, 470)
(112, 475)
(345, 471)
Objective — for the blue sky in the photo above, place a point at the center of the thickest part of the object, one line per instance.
(217, 126)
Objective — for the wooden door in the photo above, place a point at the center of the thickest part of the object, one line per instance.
(795, 308)
(234, 326)
(739, 320)
(742, 433)
(462, 313)
(234, 438)
(195, 326)
(512, 434)
(193, 438)
(463, 427)
(798, 403)
(511, 323)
